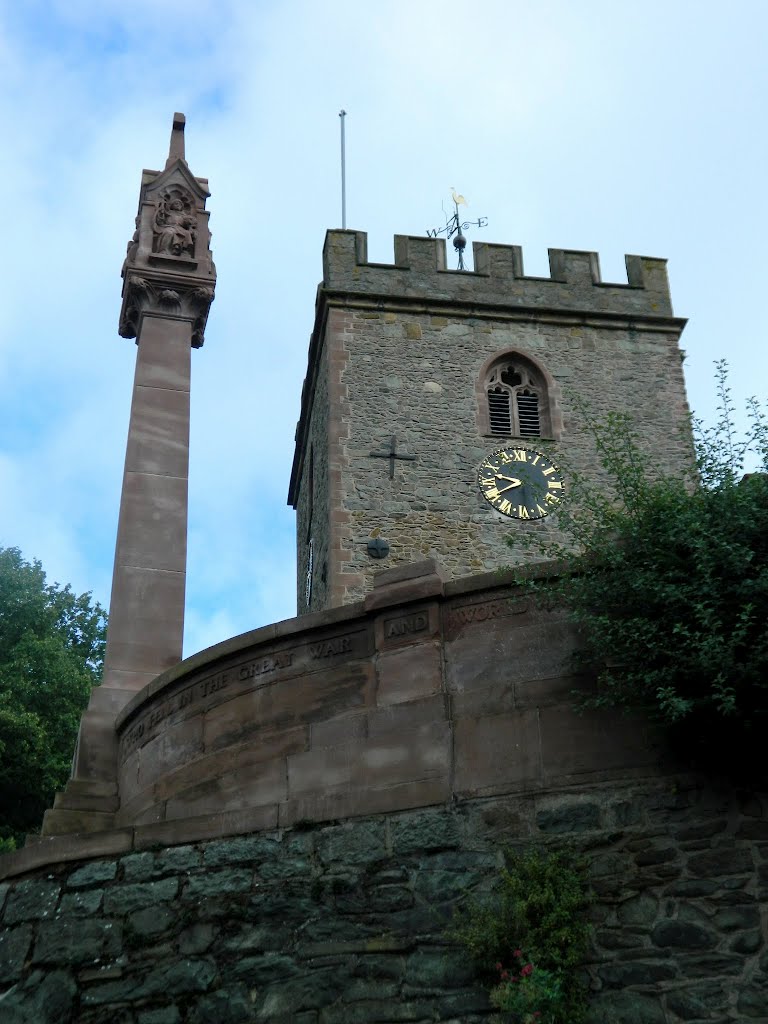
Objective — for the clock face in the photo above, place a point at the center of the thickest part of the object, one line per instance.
(520, 483)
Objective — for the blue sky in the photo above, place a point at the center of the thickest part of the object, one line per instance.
(598, 125)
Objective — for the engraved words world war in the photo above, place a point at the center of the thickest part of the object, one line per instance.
(520, 483)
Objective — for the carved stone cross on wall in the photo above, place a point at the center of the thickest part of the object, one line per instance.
(392, 454)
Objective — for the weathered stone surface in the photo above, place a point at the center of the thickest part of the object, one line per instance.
(14, 947)
(123, 899)
(300, 992)
(174, 980)
(138, 867)
(196, 939)
(75, 941)
(428, 831)
(641, 910)
(682, 935)
(177, 859)
(437, 968)
(626, 1008)
(747, 942)
(231, 1005)
(240, 849)
(31, 900)
(166, 1015)
(42, 999)
(753, 1001)
(695, 1001)
(628, 974)
(94, 873)
(214, 883)
(733, 918)
(150, 921)
(80, 904)
(725, 861)
(569, 817)
(360, 845)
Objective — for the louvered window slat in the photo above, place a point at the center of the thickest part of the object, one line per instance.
(528, 414)
(500, 412)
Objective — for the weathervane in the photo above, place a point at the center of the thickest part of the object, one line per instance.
(454, 226)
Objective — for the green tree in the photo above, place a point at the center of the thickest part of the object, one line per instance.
(669, 584)
(51, 654)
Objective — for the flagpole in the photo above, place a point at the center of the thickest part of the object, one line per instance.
(342, 115)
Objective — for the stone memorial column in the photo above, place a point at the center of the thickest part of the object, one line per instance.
(169, 280)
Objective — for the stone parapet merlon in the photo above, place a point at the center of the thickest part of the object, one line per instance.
(419, 272)
(168, 269)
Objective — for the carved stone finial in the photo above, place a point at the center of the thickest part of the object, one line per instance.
(176, 148)
(168, 271)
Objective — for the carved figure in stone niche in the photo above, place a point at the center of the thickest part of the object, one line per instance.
(174, 226)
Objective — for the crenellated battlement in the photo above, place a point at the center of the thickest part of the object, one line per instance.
(420, 271)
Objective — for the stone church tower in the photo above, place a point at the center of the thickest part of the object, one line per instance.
(417, 374)
(280, 828)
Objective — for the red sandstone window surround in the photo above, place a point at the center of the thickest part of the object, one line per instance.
(515, 398)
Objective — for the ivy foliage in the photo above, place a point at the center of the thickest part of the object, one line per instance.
(51, 654)
(536, 914)
(669, 584)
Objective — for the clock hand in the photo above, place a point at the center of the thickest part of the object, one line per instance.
(515, 481)
(509, 487)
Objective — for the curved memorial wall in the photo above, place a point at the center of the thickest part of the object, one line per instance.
(424, 693)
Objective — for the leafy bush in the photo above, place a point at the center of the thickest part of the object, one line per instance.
(535, 919)
(51, 652)
(669, 585)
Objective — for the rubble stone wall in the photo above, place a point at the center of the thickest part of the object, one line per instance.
(346, 922)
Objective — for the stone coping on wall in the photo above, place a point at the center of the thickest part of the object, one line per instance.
(42, 851)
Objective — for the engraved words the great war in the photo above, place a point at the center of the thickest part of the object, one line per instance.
(232, 682)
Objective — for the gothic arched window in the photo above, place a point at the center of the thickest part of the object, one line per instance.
(516, 397)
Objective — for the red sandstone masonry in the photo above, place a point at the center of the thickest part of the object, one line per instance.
(336, 353)
(460, 690)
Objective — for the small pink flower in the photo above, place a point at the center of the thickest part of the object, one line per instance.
(517, 953)
(528, 969)
(498, 965)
